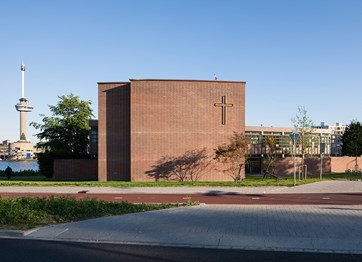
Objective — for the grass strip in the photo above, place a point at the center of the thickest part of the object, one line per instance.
(28, 212)
(255, 181)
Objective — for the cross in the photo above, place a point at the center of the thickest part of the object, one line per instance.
(223, 106)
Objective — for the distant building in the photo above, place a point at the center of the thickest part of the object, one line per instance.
(337, 129)
(326, 139)
(4, 149)
(21, 150)
(318, 142)
(337, 132)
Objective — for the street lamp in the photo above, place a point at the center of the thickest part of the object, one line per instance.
(320, 175)
(294, 136)
(356, 165)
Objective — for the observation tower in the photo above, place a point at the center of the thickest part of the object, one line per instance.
(23, 107)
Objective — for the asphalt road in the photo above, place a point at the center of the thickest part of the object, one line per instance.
(14, 250)
(219, 198)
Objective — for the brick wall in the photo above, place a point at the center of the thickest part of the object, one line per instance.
(341, 164)
(143, 121)
(330, 164)
(170, 117)
(114, 131)
(75, 169)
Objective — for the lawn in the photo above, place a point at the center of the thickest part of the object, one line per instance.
(255, 180)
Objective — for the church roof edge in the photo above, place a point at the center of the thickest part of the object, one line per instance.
(115, 82)
(186, 80)
(165, 80)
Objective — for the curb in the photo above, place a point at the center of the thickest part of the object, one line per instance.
(17, 233)
(11, 233)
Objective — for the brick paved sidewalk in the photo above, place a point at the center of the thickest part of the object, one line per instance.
(281, 228)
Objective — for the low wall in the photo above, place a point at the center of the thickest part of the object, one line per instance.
(75, 169)
(285, 166)
(330, 165)
(87, 169)
(342, 164)
(314, 165)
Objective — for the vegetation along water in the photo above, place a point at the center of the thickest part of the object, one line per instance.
(19, 165)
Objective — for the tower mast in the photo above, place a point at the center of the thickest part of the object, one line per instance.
(23, 106)
(22, 79)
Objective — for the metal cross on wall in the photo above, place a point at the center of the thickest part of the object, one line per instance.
(223, 106)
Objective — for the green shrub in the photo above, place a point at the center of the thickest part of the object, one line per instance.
(26, 212)
(18, 211)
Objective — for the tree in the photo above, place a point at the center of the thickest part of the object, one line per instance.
(233, 156)
(271, 153)
(65, 133)
(352, 139)
(22, 137)
(304, 125)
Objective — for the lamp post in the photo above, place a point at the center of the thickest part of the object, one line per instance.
(356, 165)
(294, 136)
(294, 176)
(320, 175)
(261, 163)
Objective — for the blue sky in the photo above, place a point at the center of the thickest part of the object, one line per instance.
(290, 53)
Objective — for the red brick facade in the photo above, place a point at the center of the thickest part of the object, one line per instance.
(114, 131)
(143, 121)
(285, 166)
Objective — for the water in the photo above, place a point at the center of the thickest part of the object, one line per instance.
(19, 165)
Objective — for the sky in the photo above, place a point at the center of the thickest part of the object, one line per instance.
(290, 53)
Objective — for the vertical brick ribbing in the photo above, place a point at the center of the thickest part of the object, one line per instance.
(114, 131)
(144, 120)
(170, 117)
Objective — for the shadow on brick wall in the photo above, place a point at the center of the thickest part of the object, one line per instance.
(188, 167)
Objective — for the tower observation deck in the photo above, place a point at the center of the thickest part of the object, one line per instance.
(23, 107)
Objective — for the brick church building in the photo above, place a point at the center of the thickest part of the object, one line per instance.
(143, 121)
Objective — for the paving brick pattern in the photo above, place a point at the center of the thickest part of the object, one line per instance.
(317, 228)
(291, 228)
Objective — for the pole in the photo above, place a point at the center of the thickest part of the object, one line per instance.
(320, 175)
(294, 136)
(356, 165)
(294, 176)
(22, 80)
